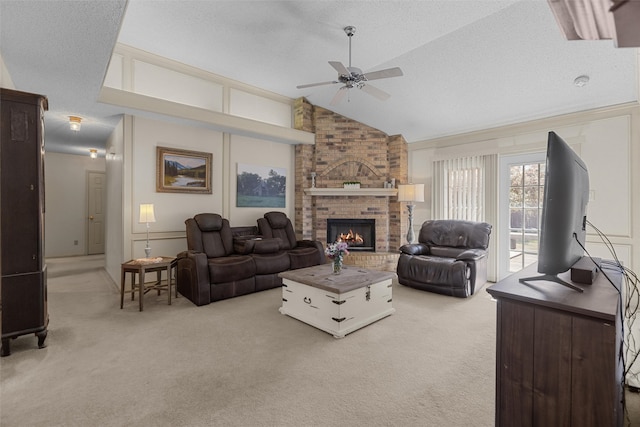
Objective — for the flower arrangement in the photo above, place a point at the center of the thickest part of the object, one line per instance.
(336, 251)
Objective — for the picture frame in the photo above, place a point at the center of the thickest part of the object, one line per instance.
(260, 186)
(183, 171)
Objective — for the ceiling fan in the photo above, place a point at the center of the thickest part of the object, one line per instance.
(354, 77)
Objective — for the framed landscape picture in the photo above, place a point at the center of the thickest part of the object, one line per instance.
(183, 171)
(261, 186)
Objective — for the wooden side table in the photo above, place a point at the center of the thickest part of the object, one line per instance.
(143, 266)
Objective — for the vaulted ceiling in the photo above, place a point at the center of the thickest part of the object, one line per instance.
(468, 65)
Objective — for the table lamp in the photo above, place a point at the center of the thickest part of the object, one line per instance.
(147, 216)
(410, 193)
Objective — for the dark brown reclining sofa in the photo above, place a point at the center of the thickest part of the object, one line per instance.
(450, 258)
(223, 261)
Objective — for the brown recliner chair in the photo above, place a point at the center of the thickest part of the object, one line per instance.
(450, 258)
(302, 253)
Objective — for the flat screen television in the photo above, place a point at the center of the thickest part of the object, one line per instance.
(562, 229)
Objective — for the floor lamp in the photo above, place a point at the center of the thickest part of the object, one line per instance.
(147, 216)
(410, 193)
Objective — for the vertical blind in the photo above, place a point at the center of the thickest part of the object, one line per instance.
(467, 189)
(459, 188)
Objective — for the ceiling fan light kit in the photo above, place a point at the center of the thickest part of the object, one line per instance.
(353, 77)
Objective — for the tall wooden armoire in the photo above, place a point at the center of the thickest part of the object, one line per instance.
(24, 273)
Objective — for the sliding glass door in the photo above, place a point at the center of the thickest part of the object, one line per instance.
(521, 196)
(526, 190)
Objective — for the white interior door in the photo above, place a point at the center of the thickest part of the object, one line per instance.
(95, 232)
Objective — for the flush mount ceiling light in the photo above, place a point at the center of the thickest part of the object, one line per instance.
(74, 123)
(581, 81)
(93, 153)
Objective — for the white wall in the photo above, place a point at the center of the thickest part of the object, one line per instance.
(245, 104)
(604, 140)
(171, 209)
(131, 179)
(5, 77)
(131, 162)
(114, 187)
(66, 199)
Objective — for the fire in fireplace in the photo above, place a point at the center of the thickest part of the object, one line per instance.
(359, 234)
(350, 238)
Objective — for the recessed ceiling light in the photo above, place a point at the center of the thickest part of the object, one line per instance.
(581, 81)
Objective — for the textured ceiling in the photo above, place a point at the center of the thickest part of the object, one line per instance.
(62, 50)
(467, 65)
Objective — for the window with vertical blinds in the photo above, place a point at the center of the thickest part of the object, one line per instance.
(466, 188)
(459, 188)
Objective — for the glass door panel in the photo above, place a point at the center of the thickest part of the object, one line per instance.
(525, 206)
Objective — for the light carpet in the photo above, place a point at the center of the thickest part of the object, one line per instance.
(239, 362)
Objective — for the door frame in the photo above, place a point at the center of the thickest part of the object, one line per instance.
(504, 181)
(88, 208)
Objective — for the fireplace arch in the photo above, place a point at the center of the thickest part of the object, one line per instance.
(351, 168)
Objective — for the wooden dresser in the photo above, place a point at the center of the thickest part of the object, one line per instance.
(24, 281)
(558, 360)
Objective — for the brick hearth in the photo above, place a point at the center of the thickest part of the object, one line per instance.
(346, 150)
(386, 261)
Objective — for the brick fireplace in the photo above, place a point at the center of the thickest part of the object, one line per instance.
(346, 150)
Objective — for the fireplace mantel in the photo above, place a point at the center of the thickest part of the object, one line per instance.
(388, 192)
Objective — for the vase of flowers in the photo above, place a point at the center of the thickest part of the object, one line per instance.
(336, 253)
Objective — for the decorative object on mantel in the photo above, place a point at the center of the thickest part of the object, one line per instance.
(351, 184)
(336, 252)
(313, 180)
(339, 191)
(410, 193)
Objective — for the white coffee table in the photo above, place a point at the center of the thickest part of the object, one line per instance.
(337, 304)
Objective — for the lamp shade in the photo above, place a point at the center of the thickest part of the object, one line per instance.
(146, 213)
(411, 192)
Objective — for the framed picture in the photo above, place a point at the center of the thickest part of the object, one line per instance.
(183, 171)
(261, 186)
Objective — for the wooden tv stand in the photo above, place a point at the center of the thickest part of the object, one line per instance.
(558, 360)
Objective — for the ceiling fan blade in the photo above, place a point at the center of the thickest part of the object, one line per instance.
(374, 91)
(340, 68)
(316, 84)
(383, 74)
(339, 95)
